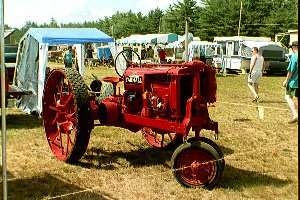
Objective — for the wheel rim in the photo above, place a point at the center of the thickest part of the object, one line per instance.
(196, 167)
(160, 140)
(59, 113)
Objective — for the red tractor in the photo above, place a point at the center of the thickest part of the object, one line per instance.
(163, 101)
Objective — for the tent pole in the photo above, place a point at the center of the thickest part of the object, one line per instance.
(3, 111)
(186, 58)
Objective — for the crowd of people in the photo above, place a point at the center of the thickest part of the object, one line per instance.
(70, 57)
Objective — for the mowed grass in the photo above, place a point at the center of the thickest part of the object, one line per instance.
(261, 155)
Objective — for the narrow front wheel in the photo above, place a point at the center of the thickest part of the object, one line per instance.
(197, 164)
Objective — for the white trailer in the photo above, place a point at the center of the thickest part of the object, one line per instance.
(237, 53)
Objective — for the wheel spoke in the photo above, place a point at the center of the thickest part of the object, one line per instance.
(68, 100)
(61, 144)
(162, 139)
(155, 136)
(170, 136)
(54, 108)
(159, 140)
(68, 141)
(54, 120)
(71, 117)
(54, 137)
(60, 89)
(124, 56)
(54, 98)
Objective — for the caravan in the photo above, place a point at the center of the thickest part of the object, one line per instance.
(205, 51)
(237, 53)
(208, 52)
(138, 43)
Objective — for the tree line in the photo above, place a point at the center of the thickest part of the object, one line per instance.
(206, 19)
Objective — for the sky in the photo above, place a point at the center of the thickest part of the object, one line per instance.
(18, 12)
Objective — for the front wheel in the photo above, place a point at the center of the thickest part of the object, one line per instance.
(197, 164)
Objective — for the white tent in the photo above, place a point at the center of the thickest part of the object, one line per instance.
(33, 56)
(149, 38)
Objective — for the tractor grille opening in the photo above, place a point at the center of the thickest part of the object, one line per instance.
(186, 91)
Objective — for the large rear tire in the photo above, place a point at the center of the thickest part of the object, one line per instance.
(66, 114)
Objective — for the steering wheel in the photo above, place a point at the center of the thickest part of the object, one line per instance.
(125, 59)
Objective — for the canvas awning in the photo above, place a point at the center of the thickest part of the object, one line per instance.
(68, 35)
(33, 56)
(149, 39)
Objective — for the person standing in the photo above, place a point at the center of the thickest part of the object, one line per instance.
(68, 57)
(143, 52)
(257, 67)
(291, 83)
(89, 55)
(162, 56)
(150, 53)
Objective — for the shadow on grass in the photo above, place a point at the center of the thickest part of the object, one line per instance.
(109, 160)
(242, 120)
(272, 101)
(21, 121)
(226, 151)
(9, 175)
(227, 75)
(238, 179)
(99, 158)
(48, 187)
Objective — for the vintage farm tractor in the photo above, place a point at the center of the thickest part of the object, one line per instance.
(163, 101)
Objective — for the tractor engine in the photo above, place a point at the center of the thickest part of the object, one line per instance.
(147, 92)
(163, 92)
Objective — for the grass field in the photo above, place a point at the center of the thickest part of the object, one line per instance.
(261, 155)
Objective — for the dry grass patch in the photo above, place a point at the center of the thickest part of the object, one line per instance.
(261, 155)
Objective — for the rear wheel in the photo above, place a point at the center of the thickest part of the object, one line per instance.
(66, 114)
(197, 164)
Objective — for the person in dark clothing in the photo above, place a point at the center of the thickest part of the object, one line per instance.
(89, 55)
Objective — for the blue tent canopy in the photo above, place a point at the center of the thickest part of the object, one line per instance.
(31, 66)
(69, 35)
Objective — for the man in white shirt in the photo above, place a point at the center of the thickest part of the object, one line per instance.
(257, 67)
